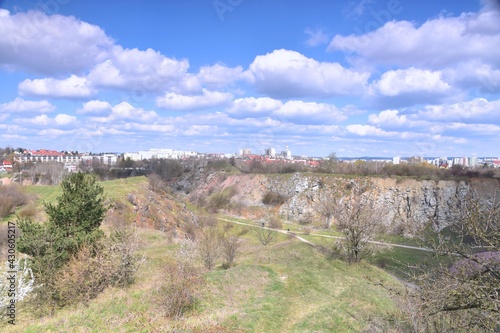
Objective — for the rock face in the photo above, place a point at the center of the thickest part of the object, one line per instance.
(405, 204)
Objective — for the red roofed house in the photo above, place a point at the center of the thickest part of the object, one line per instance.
(7, 165)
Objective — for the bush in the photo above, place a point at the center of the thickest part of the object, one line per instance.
(275, 222)
(209, 246)
(113, 262)
(156, 184)
(265, 235)
(11, 197)
(28, 211)
(178, 294)
(273, 198)
(306, 219)
(221, 199)
(72, 227)
(83, 278)
(230, 245)
(122, 246)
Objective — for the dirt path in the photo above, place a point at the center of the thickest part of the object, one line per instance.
(328, 236)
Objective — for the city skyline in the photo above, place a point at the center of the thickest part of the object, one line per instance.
(358, 78)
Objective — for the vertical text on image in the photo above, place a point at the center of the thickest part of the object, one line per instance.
(11, 272)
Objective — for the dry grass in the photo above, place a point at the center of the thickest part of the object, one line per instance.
(11, 197)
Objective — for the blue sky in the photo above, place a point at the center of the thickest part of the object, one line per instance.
(359, 78)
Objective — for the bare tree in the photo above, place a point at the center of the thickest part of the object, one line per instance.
(458, 289)
(467, 293)
(358, 219)
(178, 294)
(209, 246)
(265, 235)
(230, 245)
(326, 207)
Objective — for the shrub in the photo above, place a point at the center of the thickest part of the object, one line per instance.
(11, 196)
(209, 246)
(306, 219)
(83, 278)
(123, 245)
(221, 199)
(230, 245)
(244, 231)
(275, 222)
(28, 211)
(92, 269)
(208, 221)
(72, 226)
(273, 198)
(156, 184)
(265, 235)
(307, 230)
(178, 294)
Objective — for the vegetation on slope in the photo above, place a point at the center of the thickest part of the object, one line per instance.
(286, 286)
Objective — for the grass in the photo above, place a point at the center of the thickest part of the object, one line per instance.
(116, 189)
(287, 286)
(290, 287)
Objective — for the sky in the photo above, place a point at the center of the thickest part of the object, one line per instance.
(358, 78)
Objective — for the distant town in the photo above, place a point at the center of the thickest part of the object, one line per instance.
(74, 160)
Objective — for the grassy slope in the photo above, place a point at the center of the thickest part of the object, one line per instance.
(284, 287)
(114, 189)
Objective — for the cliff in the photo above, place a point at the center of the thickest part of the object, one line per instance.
(406, 203)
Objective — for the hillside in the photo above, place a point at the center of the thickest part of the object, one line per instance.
(407, 203)
(287, 286)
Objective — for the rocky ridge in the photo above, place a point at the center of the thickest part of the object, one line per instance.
(406, 203)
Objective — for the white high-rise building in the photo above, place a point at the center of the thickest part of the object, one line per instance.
(271, 152)
(396, 160)
(287, 153)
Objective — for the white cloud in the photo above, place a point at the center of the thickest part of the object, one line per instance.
(316, 37)
(310, 112)
(44, 121)
(125, 111)
(146, 71)
(474, 74)
(476, 110)
(254, 107)
(283, 73)
(95, 107)
(388, 118)
(39, 121)
(65, 119)
(55, 133)
(72, 87)
(356, 8)
(403, 87)
(367, 130)
(200, 130)
(209, 99)
(163, 128)
(65, 43)
(21, 105)
(411, 80)
(436, 43)
(219, 75)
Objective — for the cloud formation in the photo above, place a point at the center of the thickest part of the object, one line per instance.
(71, 87)
(289, 74)
(28, 37)
(21, 105)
